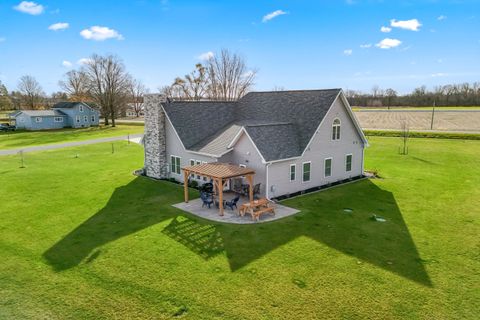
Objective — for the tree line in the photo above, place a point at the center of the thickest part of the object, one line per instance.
(104, 81)
(101, 80)
(464, 94)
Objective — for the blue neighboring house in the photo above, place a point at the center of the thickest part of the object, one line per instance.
(62, 115)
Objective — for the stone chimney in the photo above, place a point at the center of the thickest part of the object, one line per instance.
(154, 140)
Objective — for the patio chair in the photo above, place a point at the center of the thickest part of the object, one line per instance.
(232, 203)
(207, 201)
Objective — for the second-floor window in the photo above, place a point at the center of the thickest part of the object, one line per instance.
(336, 129)
(80, 108)
(58, 119)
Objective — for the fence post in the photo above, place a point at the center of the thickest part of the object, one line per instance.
(22, 159)
(113, 148)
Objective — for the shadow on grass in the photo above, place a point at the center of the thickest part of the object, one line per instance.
(143, 203)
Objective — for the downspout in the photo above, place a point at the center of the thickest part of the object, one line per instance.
(267, 188)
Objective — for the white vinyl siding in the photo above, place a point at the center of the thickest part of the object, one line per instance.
(306, 171)
(85, 118)
(293, 172)
(77, 119)
(175, 164)
(58, 119)
(328, 167)
(348, 162)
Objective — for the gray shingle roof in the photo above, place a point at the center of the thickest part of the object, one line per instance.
(196, 121)
(43, 113)
(68, 105)
(280, 123)
(219, 142)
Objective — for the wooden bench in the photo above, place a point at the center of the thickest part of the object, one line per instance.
(256, 214)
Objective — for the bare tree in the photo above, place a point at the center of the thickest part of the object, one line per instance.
(5, 101)
(228, 76)
(31, 91)
(391, 95)
(194, 85)
(171, 92)
(75, 85)
(108, 84)
(136, 92)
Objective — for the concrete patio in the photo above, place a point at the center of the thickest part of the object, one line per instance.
(231, 216)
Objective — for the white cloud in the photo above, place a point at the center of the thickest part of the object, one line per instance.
(84, 61)
(29, 7)
(439, 74)
(2, 39)
(205, 56)
(388, 43)
(385, 29)
(67, 64)
(440, 60)
(365, 46)
(99, 33)
(272, 15)
(59, 26)
(348, 52)
(412, 24)
(441, 17)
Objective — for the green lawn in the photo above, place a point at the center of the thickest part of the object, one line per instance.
(83, 238)
(20, 139)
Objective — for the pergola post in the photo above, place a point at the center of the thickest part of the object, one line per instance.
(250, 187)
(185, 184)
(220, 195)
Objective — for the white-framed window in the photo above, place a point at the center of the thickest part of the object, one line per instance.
(192, 163)
(38, 119)
(348, 162)
(293, 172)
(85, 118)
(336, 129)
(328, 167)
(80, 108)
(197, 163)
(77, 119)
(93, 118)
(175, 164)
(306, 171)
(58, 119)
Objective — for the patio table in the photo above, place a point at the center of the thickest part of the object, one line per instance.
(252, 205)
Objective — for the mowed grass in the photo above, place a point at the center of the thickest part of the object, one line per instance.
(20, 139)
(83, 238)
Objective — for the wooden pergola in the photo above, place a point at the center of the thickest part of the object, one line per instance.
(220, 173)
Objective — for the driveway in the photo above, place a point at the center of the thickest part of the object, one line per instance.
(133, 137)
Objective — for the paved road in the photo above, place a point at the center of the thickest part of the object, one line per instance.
(133, 137)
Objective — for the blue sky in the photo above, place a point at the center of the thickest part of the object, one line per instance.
(294, 44)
